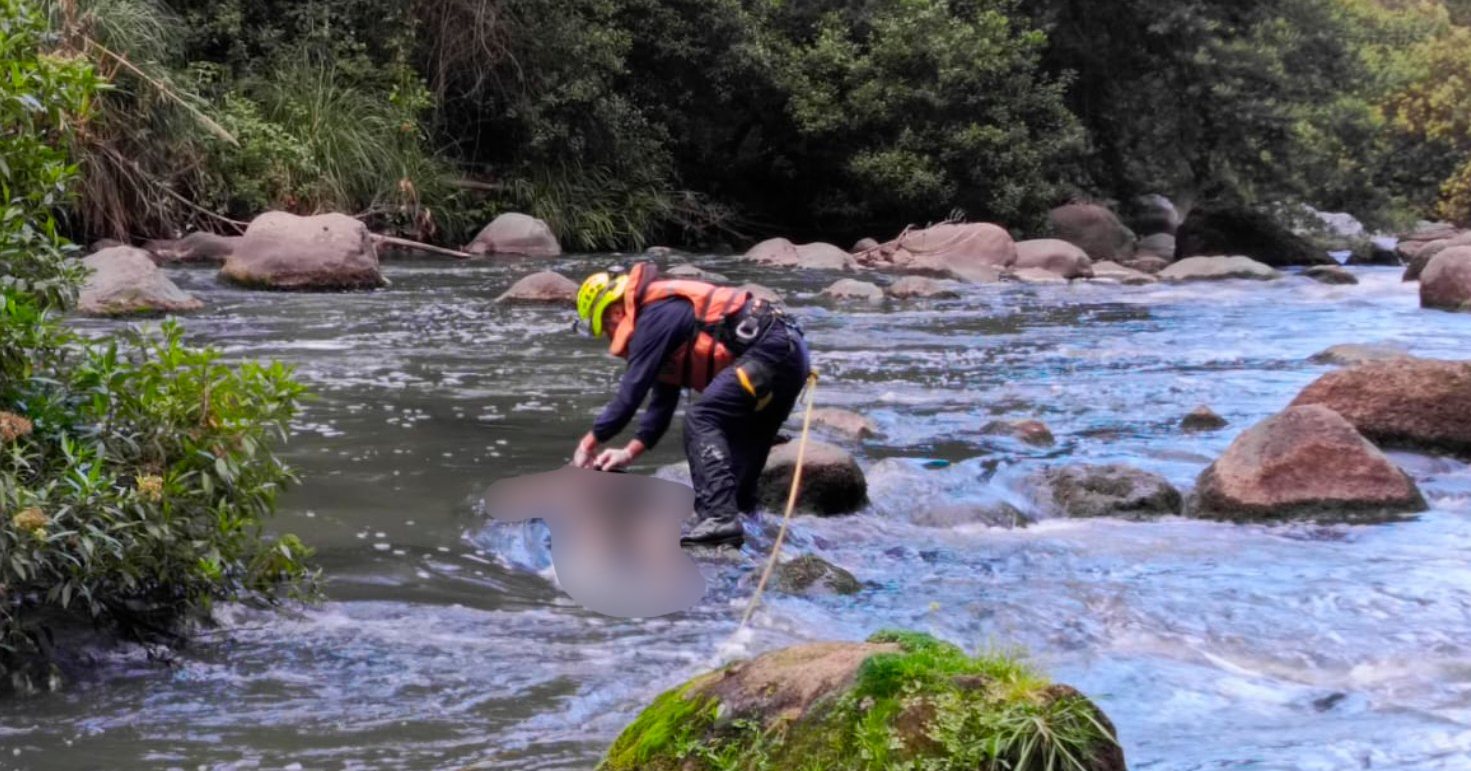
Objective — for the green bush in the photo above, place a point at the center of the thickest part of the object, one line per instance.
(136, 473)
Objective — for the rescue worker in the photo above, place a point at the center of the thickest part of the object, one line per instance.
(746, 358)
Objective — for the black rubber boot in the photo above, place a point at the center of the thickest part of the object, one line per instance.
(715, 531)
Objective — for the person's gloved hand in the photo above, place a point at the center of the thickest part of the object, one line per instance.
(612, 460)
(582, 457)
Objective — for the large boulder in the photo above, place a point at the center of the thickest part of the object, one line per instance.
(1406, 403)
(1218, 269)
(1229, 230)
(209, 248)
(544, 287)
(1446, 282)
(322, 252)
(832, 482)
(1093, 228)
(965, 251)
(781, 253)
(1105, 491)
(1422, 257)
(774, 252)
(853, 290)
(1153, 215)
(1375, 251)
(1306, 462)
(1113, 272)
(1054, 255)
(516, 233)
(124, 281)
(1160, 245)
(1412, 243)
(818, 705)
(924, 288)
(864, 245)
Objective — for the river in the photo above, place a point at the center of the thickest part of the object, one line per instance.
(1211, 646)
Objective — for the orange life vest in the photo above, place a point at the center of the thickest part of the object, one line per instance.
(694, 364)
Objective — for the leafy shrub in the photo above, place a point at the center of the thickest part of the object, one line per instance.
(135, 473)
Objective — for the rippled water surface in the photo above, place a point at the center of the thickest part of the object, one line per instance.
(1211, 646)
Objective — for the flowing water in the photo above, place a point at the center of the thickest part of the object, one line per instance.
(442, 643)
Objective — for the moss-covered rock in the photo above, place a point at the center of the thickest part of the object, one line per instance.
(902, 700)
(811, 575)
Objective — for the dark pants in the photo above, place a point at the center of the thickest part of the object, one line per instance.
(728, 432)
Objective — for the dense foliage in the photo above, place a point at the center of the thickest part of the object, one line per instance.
(135, 473)
(623, 120)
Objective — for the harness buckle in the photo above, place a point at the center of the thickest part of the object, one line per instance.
(748, 330)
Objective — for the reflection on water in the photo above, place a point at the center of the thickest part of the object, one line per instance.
(444, 643)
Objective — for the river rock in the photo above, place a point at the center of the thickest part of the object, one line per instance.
(832, 482)
(1230, 230)
(813, 576)
(660, 252)
(865, 245)
(687, 270)
(1112, 271)
(321, 252)
(1160, 245)
(516, 233)
(1054, 255)
(1416, 265)
(209, 248)
(1093, 228)
(1375, 251)
(850, 289)
(1105, 491)
(820, 256)
(964, 251)
(1352, 354)
(1218, 269)
(845, 422)
(1202, 418)
(1306, 462)
(1032, 432)
(924, 288)
(948, 516)
(544, 287)
(1152, 215)
(1416, 404)
(1330, 274)
(1446, 282)
(1411, 244)
(1033, 276)
(907, 688)
(775, 252)
(1148, 263)
(761, 292)
(123, 281)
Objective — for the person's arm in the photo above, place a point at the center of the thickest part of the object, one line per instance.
(661, 328)
(658, 414)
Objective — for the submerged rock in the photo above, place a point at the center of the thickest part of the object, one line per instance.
(1446, 282)
(1033, 432)
(832, 482)
(813, 576)
(516, 233)
(123, 281)
(543, 287)
(322, 252)
(1202, 418)
(846, 422)
(850, 289)
(924, 288)
(1033, 276)
(1094, 229)
(1306, 462)
(1112, 271)
(1353, 354)
(915, 700)
(1218, 269)
(1233, 230)
(1330, 274)
(194, 248)
(687, 270)
(1116, 490)
(1054, 255)
(1418, 404)
(952, 515)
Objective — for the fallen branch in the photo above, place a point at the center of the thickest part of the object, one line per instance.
(418, 246)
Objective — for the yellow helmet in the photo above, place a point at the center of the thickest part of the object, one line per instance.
(598, 292)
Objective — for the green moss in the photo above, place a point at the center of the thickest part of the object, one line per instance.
(659, 735)
(926, 707)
